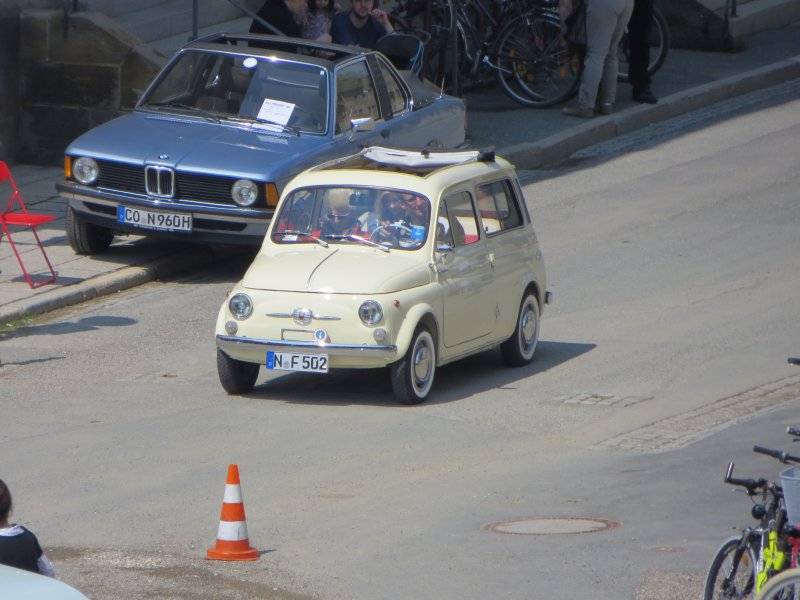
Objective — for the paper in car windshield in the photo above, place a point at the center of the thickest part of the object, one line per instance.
(275, 111)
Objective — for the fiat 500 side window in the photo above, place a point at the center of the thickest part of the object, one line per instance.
(460, 223)
(498, 207)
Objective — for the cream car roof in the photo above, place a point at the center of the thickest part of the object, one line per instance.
(429, 184)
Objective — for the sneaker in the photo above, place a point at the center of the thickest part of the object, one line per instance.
(604, 108)
(645, 96)
(575, 110)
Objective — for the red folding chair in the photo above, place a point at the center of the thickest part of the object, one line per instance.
(22, 219)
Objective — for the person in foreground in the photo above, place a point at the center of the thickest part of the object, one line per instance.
(605, 25)
(19, 547)
(361, 25)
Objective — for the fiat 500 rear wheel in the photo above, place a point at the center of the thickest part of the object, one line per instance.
(412, 375)
(236, 377)
(519, 348)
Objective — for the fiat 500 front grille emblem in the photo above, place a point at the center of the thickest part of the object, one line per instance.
(302, 316)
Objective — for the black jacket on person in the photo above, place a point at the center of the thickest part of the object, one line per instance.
(20, 551)
(279, 16)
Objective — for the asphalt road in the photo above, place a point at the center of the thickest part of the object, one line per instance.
(664, 356)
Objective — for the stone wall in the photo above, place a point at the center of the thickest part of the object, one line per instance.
(694, 26)
(10, 71)
(74, 78)
(9, 83)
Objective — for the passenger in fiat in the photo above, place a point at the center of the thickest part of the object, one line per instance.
(340, 221)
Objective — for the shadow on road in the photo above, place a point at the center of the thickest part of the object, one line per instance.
(456, 381)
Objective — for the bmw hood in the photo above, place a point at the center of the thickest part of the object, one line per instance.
(224, 148)
(344, 270)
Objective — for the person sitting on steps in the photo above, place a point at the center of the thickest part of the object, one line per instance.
(361, 25)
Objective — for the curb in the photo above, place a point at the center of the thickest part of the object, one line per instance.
(115, 281)
(552, 149)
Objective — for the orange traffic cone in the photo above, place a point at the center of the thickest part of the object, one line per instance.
(232, 542)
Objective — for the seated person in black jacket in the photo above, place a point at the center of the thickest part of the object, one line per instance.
(285, 16)
(361, 25)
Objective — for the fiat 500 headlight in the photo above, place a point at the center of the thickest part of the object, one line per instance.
(240, 306)
(84, 170)
(244, 192)
(370, 312)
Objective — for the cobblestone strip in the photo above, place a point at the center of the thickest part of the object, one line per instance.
(601, 400)
(681, 430)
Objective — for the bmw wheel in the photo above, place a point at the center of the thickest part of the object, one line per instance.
(84, 237)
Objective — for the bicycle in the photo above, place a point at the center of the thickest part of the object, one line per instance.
(733, 570)
(659, 47)
(531, 55)
(520, 43)
(744, 563)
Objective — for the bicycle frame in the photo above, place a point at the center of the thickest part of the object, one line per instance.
(771, 558)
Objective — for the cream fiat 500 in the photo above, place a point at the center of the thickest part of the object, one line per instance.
(395, 258)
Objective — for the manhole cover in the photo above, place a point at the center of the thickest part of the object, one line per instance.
(552, 525)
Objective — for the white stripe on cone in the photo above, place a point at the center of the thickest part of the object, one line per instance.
(233, 494)
(232, 531)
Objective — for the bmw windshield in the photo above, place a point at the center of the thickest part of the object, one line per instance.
(216, 86)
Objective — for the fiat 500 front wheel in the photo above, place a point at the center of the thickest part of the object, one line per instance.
(412, 375)
(236, 376)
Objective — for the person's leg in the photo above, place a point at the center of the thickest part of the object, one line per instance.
(639, 50)
(601, 20)
(608, 83)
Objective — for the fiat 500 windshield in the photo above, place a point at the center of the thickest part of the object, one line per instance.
(385, 217)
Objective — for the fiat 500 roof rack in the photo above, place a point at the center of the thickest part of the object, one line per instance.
(425, 158)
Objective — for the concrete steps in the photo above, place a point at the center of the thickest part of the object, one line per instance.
(763, 15)
(175, 17)
(169, 45)
(167, 25)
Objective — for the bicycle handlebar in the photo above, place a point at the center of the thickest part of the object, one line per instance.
(782, 456)
(751, 484)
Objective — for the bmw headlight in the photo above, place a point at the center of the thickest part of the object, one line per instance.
(240, 306)
(370, 312)
(84, 170)
(244, 192)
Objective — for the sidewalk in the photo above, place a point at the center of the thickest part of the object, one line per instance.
(530, 138)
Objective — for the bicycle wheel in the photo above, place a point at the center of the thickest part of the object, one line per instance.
(783, 586)
(732, 573)
(659, 46)
(533, 64)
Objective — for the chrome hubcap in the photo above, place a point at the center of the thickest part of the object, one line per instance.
(422, 364)
(528, 326)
